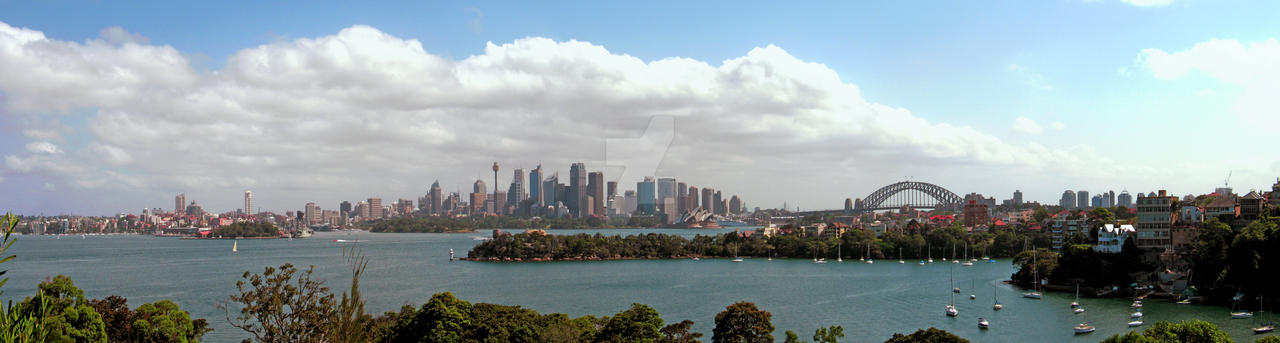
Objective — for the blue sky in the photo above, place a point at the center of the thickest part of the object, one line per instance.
(1072, 64)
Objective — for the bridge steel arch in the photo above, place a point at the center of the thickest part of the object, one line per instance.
(944, 197)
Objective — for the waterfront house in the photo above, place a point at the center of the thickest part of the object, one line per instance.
(1111, 238)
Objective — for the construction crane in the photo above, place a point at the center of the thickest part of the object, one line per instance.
(1224, 183)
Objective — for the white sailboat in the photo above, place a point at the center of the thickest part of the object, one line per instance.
(1135, 323)
(1240, 314)
(839, 253)
(951, 309)
(869, 259)
(997, 306)
(983, 323)
(234, 247)
(967, 261)
(930, 252)
(1076, 303)
(1083, 328)
(900, 261)
(1035, 279)
(451, 254)
(973, 289)
(1266, 326)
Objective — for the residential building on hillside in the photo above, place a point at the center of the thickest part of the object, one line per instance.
(1154, 221)
(1111, 238)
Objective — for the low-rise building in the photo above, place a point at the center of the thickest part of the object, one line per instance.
(878, 227)
(1111, 238)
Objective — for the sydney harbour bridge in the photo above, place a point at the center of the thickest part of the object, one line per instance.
(913, 194)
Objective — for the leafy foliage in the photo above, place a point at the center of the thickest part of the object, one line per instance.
(276, 307)
(17, 325)
(157, 322)
(742, 322)
(1194, 331)
(932, 335)
(246, 229)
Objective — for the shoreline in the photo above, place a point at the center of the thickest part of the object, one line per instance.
(227, 238)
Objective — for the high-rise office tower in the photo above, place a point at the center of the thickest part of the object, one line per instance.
(375, 208)
(735, 205)
(180, 203)
(719, 204)
(437, 198)
(646, 196)
(682, 194)
(577, 189)
(692, 203)
(629, 203)
(1082, 199)
(595, 190)
(516, 194)
(535, 185)
(549, 190)
(344, 208)
(1017, 197)
(1068, 200)
(1111, 199)
(248, 203)
(707, 200)
(311, 214)
(666, 190)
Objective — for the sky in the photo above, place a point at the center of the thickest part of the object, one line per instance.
(112, 107)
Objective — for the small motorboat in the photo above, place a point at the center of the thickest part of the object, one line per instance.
(1083, 328)
(1136, 315)
(1241, 315)
(983, 323)
(1183, 302)
(1078, 310)
(1032, 295)
(1135, 323)
(820, 261)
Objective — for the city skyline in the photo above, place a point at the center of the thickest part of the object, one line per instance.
(345, 105)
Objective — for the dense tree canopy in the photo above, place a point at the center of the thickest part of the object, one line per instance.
(932, 335)
(742, 322)
(246, 229)
(68, 316)
(1194, 331)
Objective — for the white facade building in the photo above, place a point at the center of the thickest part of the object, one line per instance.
(1111, 238)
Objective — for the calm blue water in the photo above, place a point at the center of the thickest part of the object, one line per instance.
(871, 301)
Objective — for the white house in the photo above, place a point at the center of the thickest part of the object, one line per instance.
(1111, 238)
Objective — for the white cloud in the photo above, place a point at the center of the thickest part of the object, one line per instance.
(1029, 77)
(43, 148)
(118, 35)
(50, 187)
(364, 113)
(1027, 126)
(1057, 125)
(1254, 67)
(1148, 3)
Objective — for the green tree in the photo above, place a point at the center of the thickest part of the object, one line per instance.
(444, 318)
(1193, 331)
(17, 325)
(679, 333)
(641, 323)
(164, 322)
(742, 322)
(791, 337)
(277, 307)
(828, 334)
(1268, 339)
(932, 335)
(68, 316)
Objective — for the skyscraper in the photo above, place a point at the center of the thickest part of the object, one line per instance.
(595, 191)
(311, 214)
(1111, 199)
(248, 203)
(344, 208)
(666, 190)
(682, 195)
(375, 208)
(549, 190)
(735, 205)
(719, 204)
(479, 193)
(1017, 197)
(692, 202)
(1068, 200)
(1082, 199)
(577, 189)
(535, 185)
(1124, 199)
(707, 200)
(646, 197)
(437, 198)
(516, 194)
(180, 203)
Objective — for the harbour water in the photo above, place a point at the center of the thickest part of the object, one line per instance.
(871, 301)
